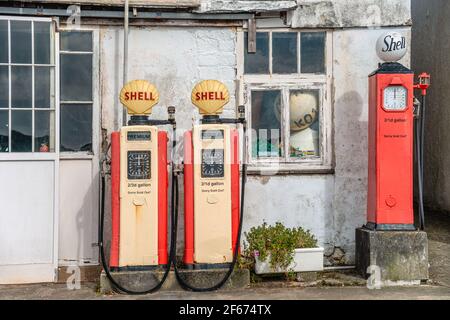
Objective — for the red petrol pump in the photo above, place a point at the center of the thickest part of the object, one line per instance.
(391, 140)
(139, 188)
(213, 194)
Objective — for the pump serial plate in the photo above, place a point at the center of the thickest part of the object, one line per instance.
(212, 134)
(139, 165)
(212, 163)
(139, 136)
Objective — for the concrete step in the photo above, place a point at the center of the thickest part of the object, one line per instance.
(143, 280)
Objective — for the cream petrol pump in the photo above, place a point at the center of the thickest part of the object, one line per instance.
(213, 200)
(139, 182)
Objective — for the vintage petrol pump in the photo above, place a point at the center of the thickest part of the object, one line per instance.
(389, 248)
(391, 140)
(212, 195)
(139, 187)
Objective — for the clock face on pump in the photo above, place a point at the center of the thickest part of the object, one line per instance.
(139, 165)
(395, 98)
(212, 163)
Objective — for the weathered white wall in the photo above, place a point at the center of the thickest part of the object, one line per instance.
(331, 206)
(350, 13)
(174, 59)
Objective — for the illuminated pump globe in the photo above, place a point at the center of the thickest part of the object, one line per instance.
(391, 46)
(303, 110)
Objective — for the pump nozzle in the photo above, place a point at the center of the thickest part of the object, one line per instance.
(171, 112)
(424, 83)
(241, 113)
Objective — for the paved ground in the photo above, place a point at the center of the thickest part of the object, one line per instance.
(59, 291)
(438, 229)
(332, 285)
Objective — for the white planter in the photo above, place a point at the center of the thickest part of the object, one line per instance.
(305, 260)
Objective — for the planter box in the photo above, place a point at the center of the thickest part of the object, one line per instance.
(305, 260)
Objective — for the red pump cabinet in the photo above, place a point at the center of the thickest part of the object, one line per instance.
(391, 142)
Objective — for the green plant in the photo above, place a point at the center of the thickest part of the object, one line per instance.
(276, 242)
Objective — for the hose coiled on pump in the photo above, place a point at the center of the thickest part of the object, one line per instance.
(115, 285)
(420, 142)
(183, 283)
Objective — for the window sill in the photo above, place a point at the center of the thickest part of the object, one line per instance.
(288, 169)
(76, 156)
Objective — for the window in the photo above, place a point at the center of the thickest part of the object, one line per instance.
(285, 85)
(76, 56)
(27, 85)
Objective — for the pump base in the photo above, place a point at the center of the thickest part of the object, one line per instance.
(142, 280)
(401, 256)
(390, 227)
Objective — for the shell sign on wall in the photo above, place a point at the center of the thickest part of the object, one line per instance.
(139, 97)
(210, 96)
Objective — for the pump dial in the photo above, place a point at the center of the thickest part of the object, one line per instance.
(395, 98)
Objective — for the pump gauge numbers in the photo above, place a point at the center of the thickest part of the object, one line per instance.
(395, 98)
(139, 165)
(212, 163)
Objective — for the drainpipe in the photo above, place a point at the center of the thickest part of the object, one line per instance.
(125, 55)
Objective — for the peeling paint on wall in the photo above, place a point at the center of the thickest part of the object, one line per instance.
(350, 13)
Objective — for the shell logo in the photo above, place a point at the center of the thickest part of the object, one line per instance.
(139, 97)
(209, 96)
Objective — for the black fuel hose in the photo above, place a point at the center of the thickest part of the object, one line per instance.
(217, 286)
(115, 285)
(420, 142)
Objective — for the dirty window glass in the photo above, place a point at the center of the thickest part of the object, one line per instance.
(76, 41)
(312, 52)
(304, 123)
(44, 122)
(21, 41)
(284, 52)
(257, 63)
(76, 127)
(4, 131)
(21, 131)
(76, 77)
(266, 125)
(4, 87)
(76, 91)
(3, 41)
(27, 86)
(42, 36)
(21, 87)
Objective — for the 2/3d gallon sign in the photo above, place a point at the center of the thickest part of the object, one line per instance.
(210, 96)
(139, 97)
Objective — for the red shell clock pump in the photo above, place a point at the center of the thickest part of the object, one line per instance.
(139, 189)
(213, 195)
(391, 141)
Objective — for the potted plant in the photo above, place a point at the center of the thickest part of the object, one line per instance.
(277, 249)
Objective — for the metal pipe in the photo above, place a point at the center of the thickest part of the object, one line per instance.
(125, 54)
(114, 14)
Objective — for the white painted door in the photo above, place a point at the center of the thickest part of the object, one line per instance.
(29, 150)
(80, 147)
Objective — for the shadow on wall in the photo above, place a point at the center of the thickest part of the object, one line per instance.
(351, 139)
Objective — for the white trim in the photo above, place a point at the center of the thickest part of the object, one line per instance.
(34, 18)
(57, 170)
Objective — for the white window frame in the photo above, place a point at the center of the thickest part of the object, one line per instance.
(249, 82)
(54, 127)
(88, 155)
